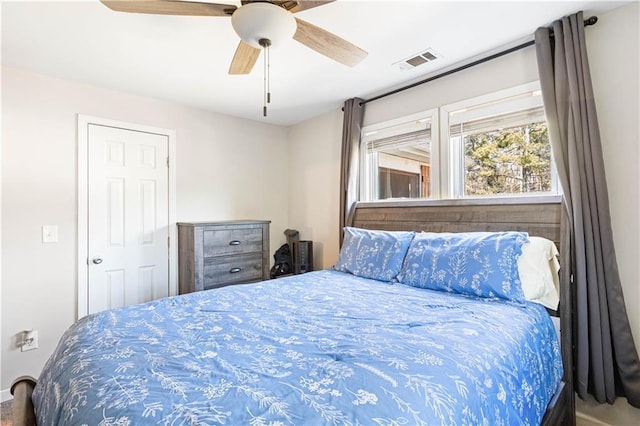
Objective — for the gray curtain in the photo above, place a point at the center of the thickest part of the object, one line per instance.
(349, 181)
(606, 360)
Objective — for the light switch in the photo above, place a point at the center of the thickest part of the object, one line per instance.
(49, 234)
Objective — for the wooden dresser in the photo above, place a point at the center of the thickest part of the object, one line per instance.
(215, 254)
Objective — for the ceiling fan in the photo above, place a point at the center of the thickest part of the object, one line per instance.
(259, 24)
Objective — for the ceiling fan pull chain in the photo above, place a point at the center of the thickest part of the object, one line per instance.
(269, 74)
(264, 76)
(265, 43)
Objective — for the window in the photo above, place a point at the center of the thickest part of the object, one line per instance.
(397, 158)
(499, 145)
(494, 145)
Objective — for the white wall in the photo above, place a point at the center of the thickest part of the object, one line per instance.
(314, 184)
(227, 168)
(508, 71)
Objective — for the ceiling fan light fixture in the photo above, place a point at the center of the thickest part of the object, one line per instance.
(255, 21)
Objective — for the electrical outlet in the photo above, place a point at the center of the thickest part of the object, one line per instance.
(29, 340)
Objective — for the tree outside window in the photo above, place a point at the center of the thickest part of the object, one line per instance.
(508, 161)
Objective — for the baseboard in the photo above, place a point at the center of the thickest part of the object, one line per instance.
(5, 395)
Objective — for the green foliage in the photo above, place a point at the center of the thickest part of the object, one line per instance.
(508, 161)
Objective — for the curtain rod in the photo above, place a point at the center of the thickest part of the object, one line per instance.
(589, 21)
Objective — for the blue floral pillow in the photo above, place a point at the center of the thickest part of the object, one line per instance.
(373, 254)
(482, 264)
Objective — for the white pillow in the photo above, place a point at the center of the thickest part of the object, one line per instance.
(538, 267)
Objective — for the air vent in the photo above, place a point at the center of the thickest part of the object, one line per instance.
(418, 59)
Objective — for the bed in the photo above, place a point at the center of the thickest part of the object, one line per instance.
(350, 345)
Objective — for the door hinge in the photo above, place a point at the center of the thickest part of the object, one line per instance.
(167, 161)
(169, 242)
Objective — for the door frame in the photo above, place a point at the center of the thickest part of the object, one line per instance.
(83, 207)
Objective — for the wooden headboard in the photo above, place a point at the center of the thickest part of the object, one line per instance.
(539, 216)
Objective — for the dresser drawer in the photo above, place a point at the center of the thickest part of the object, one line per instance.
(231, 269)
(220, 242)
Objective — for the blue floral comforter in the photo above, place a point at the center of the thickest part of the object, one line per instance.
(320, 348)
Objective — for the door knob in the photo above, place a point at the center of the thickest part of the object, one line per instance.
(97, 260)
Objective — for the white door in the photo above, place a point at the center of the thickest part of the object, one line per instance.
(128, 217)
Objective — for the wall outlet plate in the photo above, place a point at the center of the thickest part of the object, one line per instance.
(30, 341)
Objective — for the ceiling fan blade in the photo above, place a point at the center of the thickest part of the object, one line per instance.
(304, 5)
(244, 59)
(328, 44)
(169, 7)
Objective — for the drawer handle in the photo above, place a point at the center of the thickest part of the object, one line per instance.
(234, 270)
(234, 243)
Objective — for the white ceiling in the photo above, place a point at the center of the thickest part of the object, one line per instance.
(186, 59)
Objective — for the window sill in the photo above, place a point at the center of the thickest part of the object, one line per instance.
(469, 201)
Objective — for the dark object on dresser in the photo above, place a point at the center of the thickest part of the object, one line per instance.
(215, 254)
